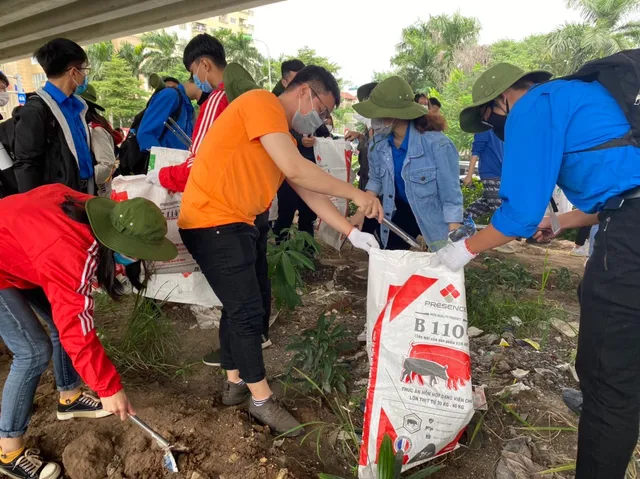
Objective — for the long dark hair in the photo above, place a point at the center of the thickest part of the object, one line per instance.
(93, 116)
(106, 272)
(432, 121)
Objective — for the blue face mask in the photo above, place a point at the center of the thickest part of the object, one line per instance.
(205, 86)
(80, 89)
(122, 259)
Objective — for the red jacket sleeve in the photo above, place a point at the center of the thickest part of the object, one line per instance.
(67, 270)
(174, 178)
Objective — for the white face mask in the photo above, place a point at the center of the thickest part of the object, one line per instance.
(4, 98)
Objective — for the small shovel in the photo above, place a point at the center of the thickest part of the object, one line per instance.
(168, 461)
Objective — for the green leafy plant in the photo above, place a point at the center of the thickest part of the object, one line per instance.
(287, 259)
(514, 276)
(390, 464)
(317, 353)
(564, 279)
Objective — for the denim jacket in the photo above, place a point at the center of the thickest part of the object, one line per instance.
(431, 175)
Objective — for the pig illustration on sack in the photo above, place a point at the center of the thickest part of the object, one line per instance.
(431, 362)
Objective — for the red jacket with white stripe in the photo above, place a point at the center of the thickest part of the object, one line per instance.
(41, 247)
(174, 178)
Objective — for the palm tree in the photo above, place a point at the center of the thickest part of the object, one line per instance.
(604, 31)
(162, 52)
(99, 54)
(426, 55)
(240, 47)
(134, 56)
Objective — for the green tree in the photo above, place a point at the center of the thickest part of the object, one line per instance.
(425, 56)
(99, 54)
(456, 95)
(309, 57)
(119, 93)
(162, 52)
(532, 53)
(381, 76)
(134, 57)
(240, 47)
(604, 31)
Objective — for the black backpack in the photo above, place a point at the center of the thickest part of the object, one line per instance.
(133, 161)
(8, 182)
(620, 75)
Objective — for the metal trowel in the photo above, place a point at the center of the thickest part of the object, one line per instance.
(168, 461)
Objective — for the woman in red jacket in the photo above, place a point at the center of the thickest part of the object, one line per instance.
(54, 243)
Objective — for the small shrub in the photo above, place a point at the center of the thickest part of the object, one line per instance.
(287, 260)
(317, 353)
(564, 279)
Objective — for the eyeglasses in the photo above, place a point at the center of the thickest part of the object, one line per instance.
(326, 112)
(84, 70)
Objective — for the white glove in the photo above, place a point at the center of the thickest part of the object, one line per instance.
(454, 256)
(362, 240)
(153, 177)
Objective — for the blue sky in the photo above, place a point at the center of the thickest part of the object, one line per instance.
(361, 37)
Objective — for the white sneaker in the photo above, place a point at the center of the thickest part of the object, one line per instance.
(581, 251)
(505, 249)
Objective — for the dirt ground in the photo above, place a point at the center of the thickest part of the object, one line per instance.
(224, 443)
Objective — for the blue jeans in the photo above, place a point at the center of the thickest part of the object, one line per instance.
(32, 348)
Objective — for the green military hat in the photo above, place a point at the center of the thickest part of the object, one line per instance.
(237, 81)
(392, 98)
(491, 84)
(91, 97)
(136, 228)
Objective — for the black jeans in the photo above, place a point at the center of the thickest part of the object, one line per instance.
(262, 267)
(288, 203)
(228, 257)
(608, 361)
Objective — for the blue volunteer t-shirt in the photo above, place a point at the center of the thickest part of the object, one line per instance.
(489, 148)
(547, 133)
(399, 155)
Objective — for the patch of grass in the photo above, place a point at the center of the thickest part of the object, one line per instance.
(564, 279)
(149, 343)
(287, 260)
(103, 304)
(494, 297)
(317, 352)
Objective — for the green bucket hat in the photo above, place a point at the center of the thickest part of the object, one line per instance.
(237, 81)
(491, 84)
(91, 97)
(156, 82)
(393, 98)
(135, 228)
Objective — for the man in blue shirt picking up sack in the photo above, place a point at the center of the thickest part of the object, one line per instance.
(573, 133)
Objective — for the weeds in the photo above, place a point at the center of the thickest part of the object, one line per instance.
(343, 430)
(491, 308)
(564, 279)
(149, 342)
(317, 353)
(287, 260)
(390, 464)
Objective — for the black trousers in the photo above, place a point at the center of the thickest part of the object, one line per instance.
(229, 258)
(404, 218)
(608, 360)
(288, 203)
(583, 235)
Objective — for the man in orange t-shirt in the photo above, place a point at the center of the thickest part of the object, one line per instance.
(242, 162)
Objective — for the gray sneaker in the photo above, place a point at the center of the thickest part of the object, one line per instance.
(277, 418)
(234, 394)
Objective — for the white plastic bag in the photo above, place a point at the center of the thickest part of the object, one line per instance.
(334, 157)
(419, 389)
(178, 280)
